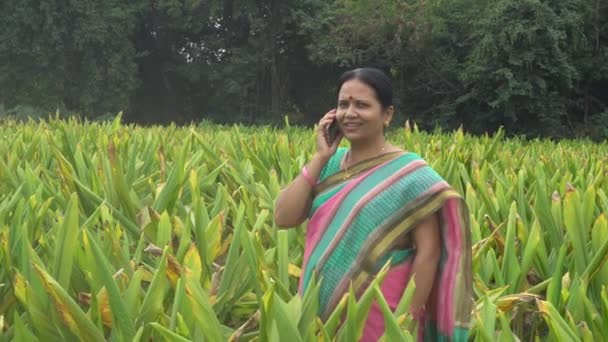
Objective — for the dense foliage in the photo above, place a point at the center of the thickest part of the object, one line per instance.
(125, 233)
(537, 67)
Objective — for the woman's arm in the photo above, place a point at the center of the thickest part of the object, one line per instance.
(293, 204)
(428, 252)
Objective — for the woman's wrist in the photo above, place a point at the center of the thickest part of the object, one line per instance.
(320, 159)
(311, 171)
(308, 178)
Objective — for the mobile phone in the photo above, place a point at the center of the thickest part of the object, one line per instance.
(332, 132)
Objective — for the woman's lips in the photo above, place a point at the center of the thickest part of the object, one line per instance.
(350, 126)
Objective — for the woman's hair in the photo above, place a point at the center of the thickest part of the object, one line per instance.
(374, 78)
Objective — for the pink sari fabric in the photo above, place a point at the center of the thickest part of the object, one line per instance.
(392, 288)
(413, 191)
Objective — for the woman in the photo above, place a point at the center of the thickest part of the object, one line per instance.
(373, 203)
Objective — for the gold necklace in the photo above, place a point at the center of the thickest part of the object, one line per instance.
(347, 174)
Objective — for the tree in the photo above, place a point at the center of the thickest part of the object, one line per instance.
(531, 64)
(537, 67)
(587, 33)
(422, 44)
(230, 61)
(519, 71)
(67, 54)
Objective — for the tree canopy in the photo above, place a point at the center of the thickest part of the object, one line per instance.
(539, 68)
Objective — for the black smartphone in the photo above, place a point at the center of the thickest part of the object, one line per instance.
(332, 132)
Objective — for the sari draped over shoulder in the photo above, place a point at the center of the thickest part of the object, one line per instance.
(357, 220)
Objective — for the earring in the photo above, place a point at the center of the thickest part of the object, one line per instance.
(385, 123)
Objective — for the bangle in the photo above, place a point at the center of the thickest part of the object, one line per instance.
(307, 177)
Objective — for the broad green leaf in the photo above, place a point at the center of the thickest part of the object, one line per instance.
(120, 314)
(598, 267)
(557, 324)
(283, 257)
(71, 314)
(152, 306)
(197, 300)
(66, 244)
(21, 332)
(575, 230)
(510, 265)
(167, 334)
(392, 331)
(310, 308)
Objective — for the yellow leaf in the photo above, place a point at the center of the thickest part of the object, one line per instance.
(213, 233)
(192, 263)
(507, 303)
(225, 245)
(60, 306)
(104, 307)
(294, 271)
(566, 281)
(146, 275)
(20, 287)
(174, 270)
(178, 226)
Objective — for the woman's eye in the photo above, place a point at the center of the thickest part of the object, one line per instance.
(343, 105)
(362, 105)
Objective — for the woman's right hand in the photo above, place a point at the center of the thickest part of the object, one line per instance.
(324, 149)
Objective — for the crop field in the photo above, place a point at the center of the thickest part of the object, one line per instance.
(124, 233)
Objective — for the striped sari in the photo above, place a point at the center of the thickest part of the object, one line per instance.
(358, 218)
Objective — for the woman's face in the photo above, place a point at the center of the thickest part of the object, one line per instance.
(359, 113)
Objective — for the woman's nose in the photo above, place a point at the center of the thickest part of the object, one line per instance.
(349, 111)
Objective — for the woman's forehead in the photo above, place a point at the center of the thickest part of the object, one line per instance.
(355, 89)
